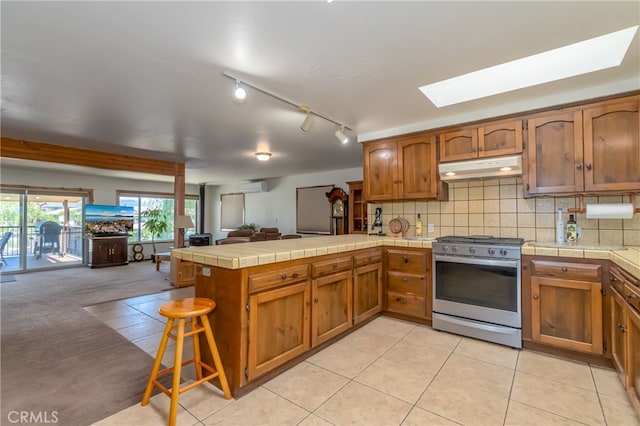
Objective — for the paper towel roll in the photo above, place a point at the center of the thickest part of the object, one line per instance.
(610, 211)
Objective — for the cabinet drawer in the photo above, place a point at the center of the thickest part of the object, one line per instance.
(403, 282)
(406, 303)
(407, 260)
(265, 280)
(632, 295)
(573, 271)
(616, 279)
(367, 258)
(327, 267)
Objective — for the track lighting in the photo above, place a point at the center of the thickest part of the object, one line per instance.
(341, 136)
(240, 92)
(307, 123)
(263, 156)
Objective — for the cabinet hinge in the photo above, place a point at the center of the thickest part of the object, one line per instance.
(604, 347)
(525, 126)
(603, 291)
(527, 187)
(246, 372)
(247, 305)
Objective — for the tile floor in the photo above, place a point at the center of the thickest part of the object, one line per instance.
(389, 372)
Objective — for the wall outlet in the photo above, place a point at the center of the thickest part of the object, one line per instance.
(206, 271)
(430, 227)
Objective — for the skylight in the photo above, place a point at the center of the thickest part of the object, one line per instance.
(575, 59)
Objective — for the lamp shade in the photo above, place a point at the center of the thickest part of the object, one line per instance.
(183, 221)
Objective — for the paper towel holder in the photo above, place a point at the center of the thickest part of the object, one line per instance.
(583, 209)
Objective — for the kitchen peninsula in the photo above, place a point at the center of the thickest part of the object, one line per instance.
(279, 301)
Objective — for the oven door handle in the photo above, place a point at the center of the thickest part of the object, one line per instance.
(477, 261)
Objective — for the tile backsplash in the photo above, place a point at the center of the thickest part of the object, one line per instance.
(497, 207)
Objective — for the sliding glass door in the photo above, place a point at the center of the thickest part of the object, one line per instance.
(42, 229)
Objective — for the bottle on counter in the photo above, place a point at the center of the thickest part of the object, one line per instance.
(560, 231)
(572, 230)
(418, 226)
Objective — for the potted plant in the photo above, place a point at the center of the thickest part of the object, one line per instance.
(155, 221)
(251, 226)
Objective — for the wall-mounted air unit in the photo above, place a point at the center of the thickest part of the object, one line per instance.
(250, 187)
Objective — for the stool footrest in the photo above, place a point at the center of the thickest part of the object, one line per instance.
(213, 375)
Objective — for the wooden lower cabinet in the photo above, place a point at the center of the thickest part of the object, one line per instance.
(567, 313)
(331, 310)
(618, 334)
(367, 291)
(183, 273)
(279, 327)
(633, 362)
(108, 251)
(563, 304)
(408, 273)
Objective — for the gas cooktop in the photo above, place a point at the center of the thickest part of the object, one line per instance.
(481, 239)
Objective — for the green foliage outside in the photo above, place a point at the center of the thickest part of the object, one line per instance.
(251, 226)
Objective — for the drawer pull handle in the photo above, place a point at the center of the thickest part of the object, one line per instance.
(406, 259)
(622, 328)
(631, 296)
(283, 276)
(535, 297)
(404, 279)
(564, 269)
(316, 300)
(335, 265)
(401, 300)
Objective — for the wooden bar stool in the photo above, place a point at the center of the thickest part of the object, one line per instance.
(182, 310)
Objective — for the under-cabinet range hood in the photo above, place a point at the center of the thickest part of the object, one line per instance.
(483, 168)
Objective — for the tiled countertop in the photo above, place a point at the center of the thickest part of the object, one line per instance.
(234, 256)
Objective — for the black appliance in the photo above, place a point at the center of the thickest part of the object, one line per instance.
(200, 239)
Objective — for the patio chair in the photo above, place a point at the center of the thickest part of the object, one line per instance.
(3, 243)
(49, 239)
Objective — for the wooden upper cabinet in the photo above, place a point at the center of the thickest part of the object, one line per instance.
(459, 145)
(590, 150)
(500, 139)
(555, 154)
(380, 170)
(402, 168)
(490, 140)
(612, 147)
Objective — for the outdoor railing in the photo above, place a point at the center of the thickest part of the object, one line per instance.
(70, 240)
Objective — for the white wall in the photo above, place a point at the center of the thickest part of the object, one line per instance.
(277, 207)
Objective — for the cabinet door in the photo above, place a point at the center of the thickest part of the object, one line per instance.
(101, 251)
(367, 291)
(417, 167)
(612, 147)
(119, 250)
(459, 145)
(357, 208)
(567, 313)
(633, 354)
(555, 163)
(618, 334)
(331, 310)
(380, 170)
(500, 139)
(278, 327)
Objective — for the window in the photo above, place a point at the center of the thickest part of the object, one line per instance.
(143, 201)
(231, 211)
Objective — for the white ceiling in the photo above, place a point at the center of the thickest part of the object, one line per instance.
(144, 78)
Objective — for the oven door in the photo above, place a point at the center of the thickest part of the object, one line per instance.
(479, 289)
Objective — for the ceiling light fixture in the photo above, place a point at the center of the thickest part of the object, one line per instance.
(240, 93)
(263, 156)
(587, 56)
(307, 123)
(341, 136)
(301, 107)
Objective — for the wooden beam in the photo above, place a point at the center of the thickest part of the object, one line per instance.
(37, 151)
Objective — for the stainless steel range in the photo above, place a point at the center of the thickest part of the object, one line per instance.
(477, 288)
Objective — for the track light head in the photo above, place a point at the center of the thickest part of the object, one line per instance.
(240, 93)
(307, 123)
(341, 136)
(263, 156)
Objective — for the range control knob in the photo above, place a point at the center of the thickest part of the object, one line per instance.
(472, 249)
(445, 248)
(454, 248)
(492, 251)
(503, 252)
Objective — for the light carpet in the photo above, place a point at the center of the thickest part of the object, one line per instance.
(56, 357)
